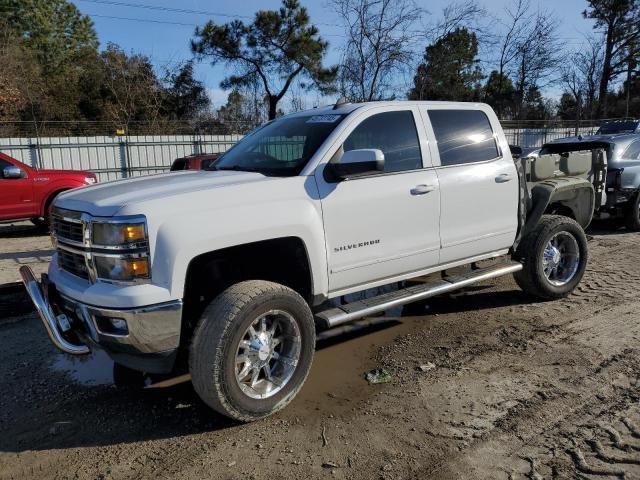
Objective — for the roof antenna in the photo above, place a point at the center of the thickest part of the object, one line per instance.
(341, 101)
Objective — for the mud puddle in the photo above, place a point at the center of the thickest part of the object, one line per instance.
(91, 370)
(343, 357)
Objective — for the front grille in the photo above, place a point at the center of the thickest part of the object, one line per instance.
(66, 230)
(73, 263)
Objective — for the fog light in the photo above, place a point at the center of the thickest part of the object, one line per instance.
(112, 325)
(118, 324)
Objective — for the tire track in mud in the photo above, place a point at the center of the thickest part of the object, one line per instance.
(599, 321)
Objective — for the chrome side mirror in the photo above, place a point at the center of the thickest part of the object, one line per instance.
(355, 163)
(12, 172)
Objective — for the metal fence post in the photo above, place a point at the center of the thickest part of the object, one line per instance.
(37, 162)
(124, 156)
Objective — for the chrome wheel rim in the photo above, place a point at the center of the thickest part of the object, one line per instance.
(561, 259)
(268, 354)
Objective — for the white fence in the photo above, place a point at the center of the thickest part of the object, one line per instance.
(113, 157)
(131, 156)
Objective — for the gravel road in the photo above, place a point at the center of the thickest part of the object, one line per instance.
(517, 389)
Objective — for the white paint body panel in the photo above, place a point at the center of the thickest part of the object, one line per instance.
(466, 217)
(478, 215)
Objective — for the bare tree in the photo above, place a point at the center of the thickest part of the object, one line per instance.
(467, 14)
(573, 83)
(506, 45)
(581, 74)
(536, 56)
(620, 20)
(133, 89)
(297, 101)
(379, 44)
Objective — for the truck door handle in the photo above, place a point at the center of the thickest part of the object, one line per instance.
(422, 189)
(504, 177)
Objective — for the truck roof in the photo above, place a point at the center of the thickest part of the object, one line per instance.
(346, 108)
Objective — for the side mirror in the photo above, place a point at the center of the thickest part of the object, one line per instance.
(358, 162)
(12, 172)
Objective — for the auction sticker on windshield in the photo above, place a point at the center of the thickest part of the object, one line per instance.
(323, 118)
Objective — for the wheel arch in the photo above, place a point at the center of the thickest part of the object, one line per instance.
(48, 199)
(283, 260)
(569, 197)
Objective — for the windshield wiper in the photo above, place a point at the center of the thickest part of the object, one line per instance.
(238, 168)
(268, 172)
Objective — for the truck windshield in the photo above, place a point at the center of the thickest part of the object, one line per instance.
(280, 148)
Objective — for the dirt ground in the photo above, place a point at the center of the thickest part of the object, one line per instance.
(22, 244)
(518, 389)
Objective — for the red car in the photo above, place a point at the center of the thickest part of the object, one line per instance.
(27, 193)
(198, 161)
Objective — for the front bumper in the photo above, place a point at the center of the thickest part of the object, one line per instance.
(149, 343)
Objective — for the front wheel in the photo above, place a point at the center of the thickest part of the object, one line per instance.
(41, 223)
(252, 350)
(554, 255)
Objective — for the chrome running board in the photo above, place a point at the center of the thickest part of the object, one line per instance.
(369, 306)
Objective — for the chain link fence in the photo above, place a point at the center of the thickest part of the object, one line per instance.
(143, 148)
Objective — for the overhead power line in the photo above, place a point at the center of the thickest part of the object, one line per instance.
(143, 20)
(176, 10)
(568, 40)
(164, 9)
(170, 22)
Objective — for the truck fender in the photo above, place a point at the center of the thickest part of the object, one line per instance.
(630, 177)
(54, 190)
(575, 194)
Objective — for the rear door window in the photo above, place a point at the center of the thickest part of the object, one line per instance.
(463, 136)
(395, 134)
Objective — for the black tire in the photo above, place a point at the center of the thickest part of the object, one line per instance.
(632, 217)
(532, 278)
(41, 223)
(223, 326)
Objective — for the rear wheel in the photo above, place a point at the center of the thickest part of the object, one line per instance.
(252, 350)
(554, 255)
(632, 217)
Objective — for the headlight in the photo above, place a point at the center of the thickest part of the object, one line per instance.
(118, 234)
(122, 268)
(127, 244)
(89, 180)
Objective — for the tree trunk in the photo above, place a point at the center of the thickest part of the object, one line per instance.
(273, 106)
(606, 76)
(628, 99)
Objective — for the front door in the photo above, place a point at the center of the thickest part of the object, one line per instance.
(16, 196)
(384, 225)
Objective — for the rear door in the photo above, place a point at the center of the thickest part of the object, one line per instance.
(478, 182)
(383, 225)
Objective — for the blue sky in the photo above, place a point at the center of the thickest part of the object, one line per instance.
(165, 35)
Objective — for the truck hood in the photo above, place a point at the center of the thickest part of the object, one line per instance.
(106, 199)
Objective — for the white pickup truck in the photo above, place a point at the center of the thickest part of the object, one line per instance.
(231, 271)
